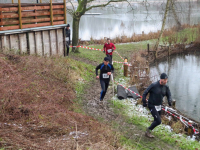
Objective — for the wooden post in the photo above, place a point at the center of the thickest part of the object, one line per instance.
(148, 48)
(35, 13)
(51, 9)
(190, 130)
(64, 42)
(147, 70)
(20, 14)
(1, 20)
(135, 79)
(12, 1)
(40, 1)
(173, 103)
(126, 67)
(65, 11)
(168, 50)
(156, 55)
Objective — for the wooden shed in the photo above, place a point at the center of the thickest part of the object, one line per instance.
(33, 28)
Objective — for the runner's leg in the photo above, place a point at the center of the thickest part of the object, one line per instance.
(67, 50)
(106, 86)
(110, 59)
(103, 87)
(157, 118)
(110, 56)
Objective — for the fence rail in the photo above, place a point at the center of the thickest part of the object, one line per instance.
(20, 16)
(29, 1)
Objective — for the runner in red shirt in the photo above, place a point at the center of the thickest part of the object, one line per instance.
(109, 48)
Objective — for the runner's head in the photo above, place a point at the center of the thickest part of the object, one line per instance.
(163, 79)
(68, 26)
(106, 60)
(108, 40)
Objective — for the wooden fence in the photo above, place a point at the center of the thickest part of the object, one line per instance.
(20, 16)
(166, 51)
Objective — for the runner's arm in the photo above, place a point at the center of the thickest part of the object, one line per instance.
(146, 93)
(104, 48)
(97, 68)
(113, 47)
(168, 94)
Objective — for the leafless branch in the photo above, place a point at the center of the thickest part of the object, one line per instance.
(103, 5)
(71, 11)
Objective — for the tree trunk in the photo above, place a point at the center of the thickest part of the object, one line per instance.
(175, 15)
(75, 34)
(163, 26)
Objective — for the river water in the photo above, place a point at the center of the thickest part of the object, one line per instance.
(120, 19)
(184, 81)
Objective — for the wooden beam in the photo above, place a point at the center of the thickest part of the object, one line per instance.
(7, 9)
(51, 11)
(65, 11)
(20, 15)
(13, 1)
(31, 14)
(9, 28)
(30, 20)
(1, 20)
(30, 25)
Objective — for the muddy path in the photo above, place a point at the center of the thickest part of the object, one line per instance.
(106, 113)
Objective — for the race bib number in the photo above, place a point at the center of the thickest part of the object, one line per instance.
(109, 50)
(158, 108)
(67, 39)
(105, 76)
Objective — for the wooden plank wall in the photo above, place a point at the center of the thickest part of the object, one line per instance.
(32, 15)
(42, 43)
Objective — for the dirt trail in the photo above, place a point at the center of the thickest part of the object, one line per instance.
(105, 111)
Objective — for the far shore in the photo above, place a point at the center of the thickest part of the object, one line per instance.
(75, 3)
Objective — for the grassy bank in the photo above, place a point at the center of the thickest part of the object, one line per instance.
(125, 50)
(42, 106)
(141, 118)
(165, 138)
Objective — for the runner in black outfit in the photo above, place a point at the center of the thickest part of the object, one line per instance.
(105, 71)
(157, 91)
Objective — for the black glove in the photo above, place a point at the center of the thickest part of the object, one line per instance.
(144, 104)
(104, 51)
(112, 50)
(170, 103)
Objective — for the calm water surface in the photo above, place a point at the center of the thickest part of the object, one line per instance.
(184, 82)
(120, 20)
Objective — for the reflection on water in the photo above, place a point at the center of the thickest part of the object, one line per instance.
(184, 82)
(120, 20)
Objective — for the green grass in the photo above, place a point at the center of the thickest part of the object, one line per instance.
(85, 73)
(125, 50)
(163, 134)
(184, 36)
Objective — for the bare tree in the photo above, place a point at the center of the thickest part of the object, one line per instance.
(175, 15)
(83, 6)
(163, 25)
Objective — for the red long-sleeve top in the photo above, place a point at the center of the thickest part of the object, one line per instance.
(108, 48)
